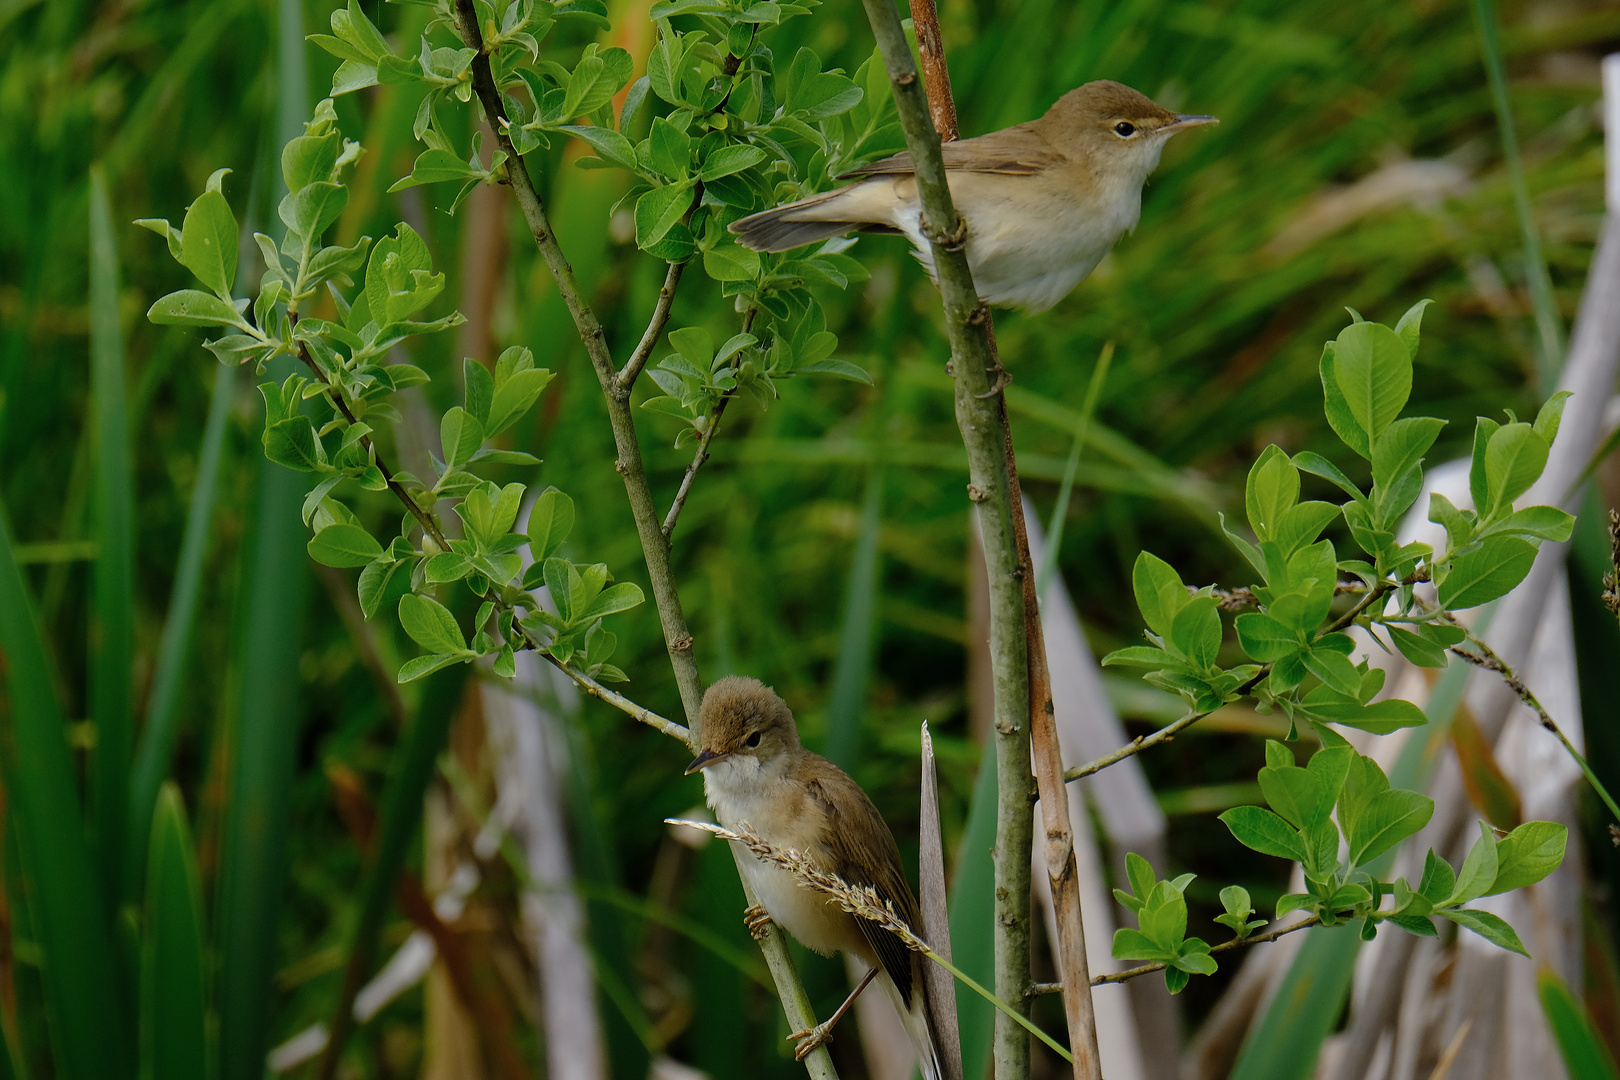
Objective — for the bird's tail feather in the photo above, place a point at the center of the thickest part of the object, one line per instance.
(918, 1028)
(820, 217)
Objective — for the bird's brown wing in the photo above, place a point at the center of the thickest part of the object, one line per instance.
(861, 850)
(1015, 151)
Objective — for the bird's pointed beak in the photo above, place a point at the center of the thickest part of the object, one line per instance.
(1185, 121)
(704, 760)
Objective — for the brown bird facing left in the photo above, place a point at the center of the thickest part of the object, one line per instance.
(755, 771)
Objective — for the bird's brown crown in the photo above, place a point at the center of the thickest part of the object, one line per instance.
(743, 715)
(1099, 107)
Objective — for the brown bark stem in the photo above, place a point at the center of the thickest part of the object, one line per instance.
(1058, 846)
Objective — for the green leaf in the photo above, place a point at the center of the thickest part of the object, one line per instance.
(416, 667)
(1409, 326)
(731, 262)
(344, 546)
(208, 242)
(1389, 818)
(660, 210)
(1264, 638)
(1374, 373)
(292, 442)
(1196, 631)
(1552, 412)
(1420, 925)
(1378, 717)
(174, 1039)
(381, 583)
(670, 149)
(192, 307)
(1134, 945)
(608, 144)
(433, 166)
(620, 597)
(1528, 854)
(460, 436)
(1438, 879)
(1514, 458)
(550, 521)
(1160, 593)
(399, 277)
(1490, 927)
(1478, 870)
(1419, 650)
(1263, 831)
(1536, 522)
(1484, 428)
(430, 625)
(310, 211)
(1500, 563)
(517, 387)
(1305, 797)
(1272, 490)
(1333, 668)
(834, 366)
(730, 159)
(480, 389)
(1317, 465)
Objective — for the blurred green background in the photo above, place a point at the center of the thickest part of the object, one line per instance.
(1358, 163)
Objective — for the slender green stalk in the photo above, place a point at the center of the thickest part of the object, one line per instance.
(1549, 328)
(1060, 512)
(163, 711)
(112, 612)
(1007, 1010)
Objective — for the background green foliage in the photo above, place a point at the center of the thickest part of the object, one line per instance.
(1252, 234)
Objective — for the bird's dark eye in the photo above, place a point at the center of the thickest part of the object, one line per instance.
(752, 741)
(1124, 129)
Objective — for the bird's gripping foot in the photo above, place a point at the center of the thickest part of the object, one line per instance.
(758, 921)
(1002, 380)
(810, 1041)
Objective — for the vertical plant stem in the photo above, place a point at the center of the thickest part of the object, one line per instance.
(1060, 512)
(979, 417)
(1015, 742)
(654, 545)
(112, 614)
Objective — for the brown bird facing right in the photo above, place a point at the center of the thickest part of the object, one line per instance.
(755, 771)
(1043, 201)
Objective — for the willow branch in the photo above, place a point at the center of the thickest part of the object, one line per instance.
(628, 374)
(1170, 731)
(654, 547)
(1225, 946)
(702, 455)
(978, 414)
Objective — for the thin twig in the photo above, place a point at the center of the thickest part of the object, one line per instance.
(631, 466)
(702, 455)
(1170, 731)
(1488, 659)
(1225, 946)
(628, 374)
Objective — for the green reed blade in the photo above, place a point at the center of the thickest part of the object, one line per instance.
(88, 1036)
(173, 1026)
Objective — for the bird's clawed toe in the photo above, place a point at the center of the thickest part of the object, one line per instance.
(758, 921)
(809, 1041)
